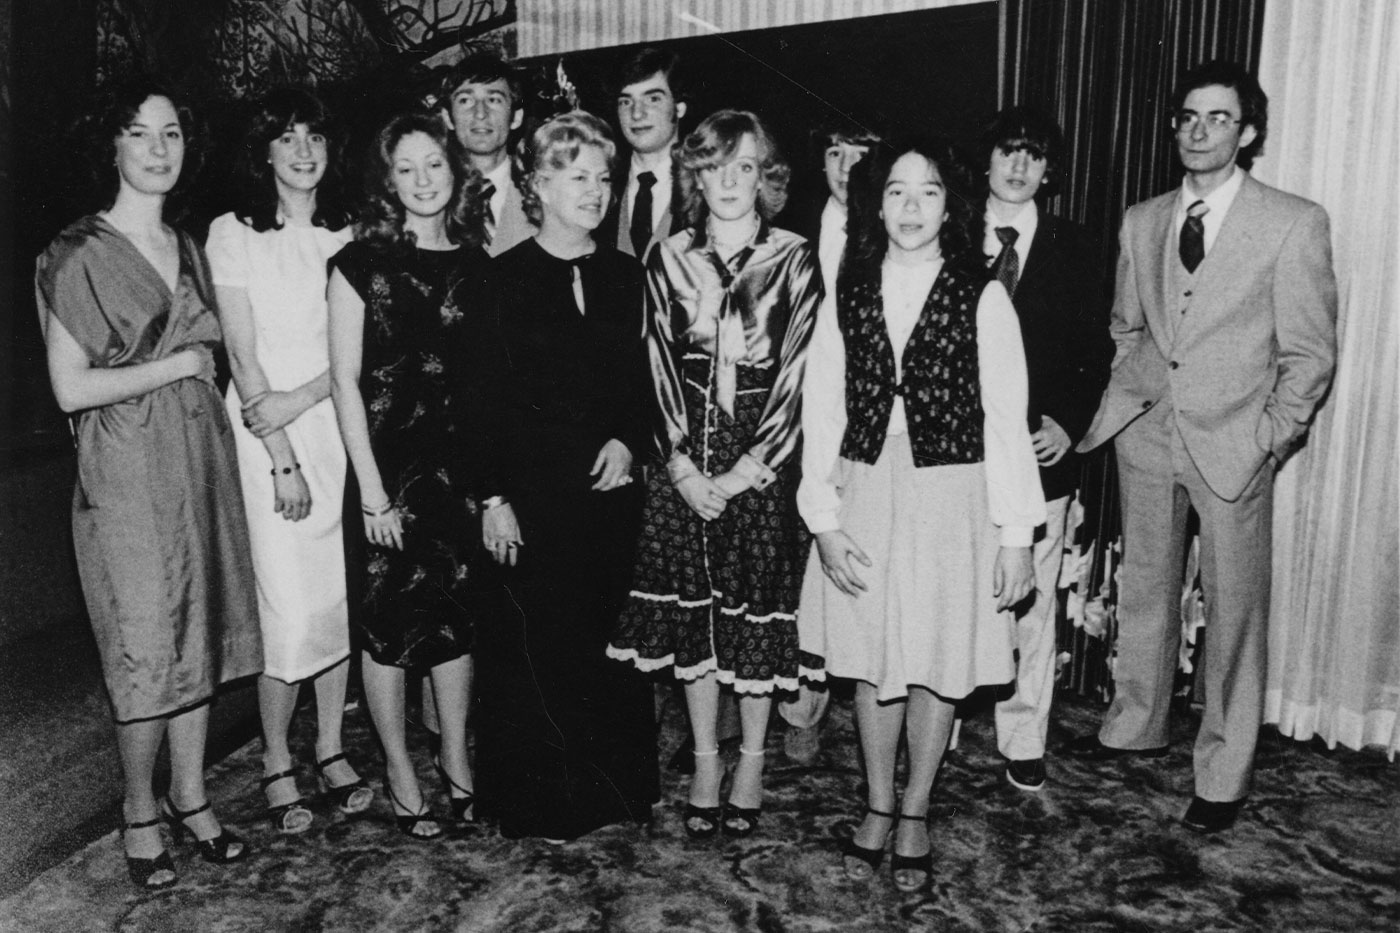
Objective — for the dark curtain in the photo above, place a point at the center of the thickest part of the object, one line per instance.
(1105, 70)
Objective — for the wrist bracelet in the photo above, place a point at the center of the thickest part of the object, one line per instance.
(491, 502)
(378, 510)
(285, 470)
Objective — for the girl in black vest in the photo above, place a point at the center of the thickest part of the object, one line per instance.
(918, 481)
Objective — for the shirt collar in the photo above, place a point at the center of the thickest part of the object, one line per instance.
(1024, 223)
(662, 171)
(701, 239)
(500, 175)
(1219, 200)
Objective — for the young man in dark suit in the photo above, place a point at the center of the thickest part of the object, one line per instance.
(1048, 266)
(650, 105)
(1224, 318)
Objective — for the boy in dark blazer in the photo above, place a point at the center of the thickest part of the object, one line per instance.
(1049, 267)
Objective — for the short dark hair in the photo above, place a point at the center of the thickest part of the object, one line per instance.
(870, 239)
(481, 68)
(278, 111)
(115, 107)
(654, 60)
(839, 128)
(1254, 103)
(1026, 128)
(381, 219)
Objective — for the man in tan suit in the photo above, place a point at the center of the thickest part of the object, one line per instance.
(1225, 323)
(482, 101)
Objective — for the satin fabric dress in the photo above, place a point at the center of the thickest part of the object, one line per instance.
(158, 522)
(727, 343)
(566, 737)
(300, 566)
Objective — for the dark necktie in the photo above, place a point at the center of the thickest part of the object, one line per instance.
(641, 214)
(1008, 264)
(488, 219)
(1193, 236)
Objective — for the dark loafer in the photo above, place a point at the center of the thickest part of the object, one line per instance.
(1089, 748)
(1210, 816)
(1028, 774)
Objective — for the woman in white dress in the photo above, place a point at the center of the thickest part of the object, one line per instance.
(269, 268)
(919, 482)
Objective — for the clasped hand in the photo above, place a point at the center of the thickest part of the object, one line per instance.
(271, 412)
(613, 466)
(291, 495)
(500, 534)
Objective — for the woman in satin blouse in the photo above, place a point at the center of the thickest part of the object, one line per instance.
(730, 307)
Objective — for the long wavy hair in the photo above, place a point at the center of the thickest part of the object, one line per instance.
(381, 220)
(276, 113)
(869, 238)
(554, 146)
(115, 107)
(713, 143)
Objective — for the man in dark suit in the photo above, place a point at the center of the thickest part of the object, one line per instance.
(482, 101)
(1225, 325)
(1048, 267)
(650, 105)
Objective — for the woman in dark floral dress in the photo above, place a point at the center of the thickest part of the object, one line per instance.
(730, 307)
(396, 334)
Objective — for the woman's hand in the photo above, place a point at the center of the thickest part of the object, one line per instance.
(1050, 442)
(500, 533)
(1013, 577)
(732, 484)
(702, 495)
(291, 496)
(839, 555)
(384, 528)
(612, 467)
(196, 362)
(272, 412)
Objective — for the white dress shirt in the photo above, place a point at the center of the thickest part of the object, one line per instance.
(660, 191)
(1218, 202)
(831, 242)
(1025, 223)
(500, 178)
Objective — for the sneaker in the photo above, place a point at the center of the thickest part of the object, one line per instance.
(1028, 774)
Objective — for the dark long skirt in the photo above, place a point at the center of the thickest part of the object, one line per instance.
(565, 736)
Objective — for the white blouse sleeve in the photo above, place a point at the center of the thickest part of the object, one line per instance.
(227, 251)
(1014, 496)
(823, 421)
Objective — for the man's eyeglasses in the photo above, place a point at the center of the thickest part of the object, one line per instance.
(1185, 121)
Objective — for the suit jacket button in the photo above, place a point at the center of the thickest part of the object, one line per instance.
(1172, 365)
(1187, 294)
(1146, 405)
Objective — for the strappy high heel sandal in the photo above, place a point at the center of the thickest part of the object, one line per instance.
(460, 805)
(220, 850)
(923, 864)
(408, 822)
(738, 821)
(287, 818)
(149, 874)
(850, 849)
(701, 822)
(349, 799)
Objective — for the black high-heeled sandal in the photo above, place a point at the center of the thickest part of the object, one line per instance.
(701, 822)
(871, 857)
(287, 818)
(738, 821)
(349, 799)
(221, 850)
(408, 822)
(143, 871)
(460, 805)
(919, 863)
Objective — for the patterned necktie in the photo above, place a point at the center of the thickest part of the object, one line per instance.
(641, 214)
(488, 217)
(1008, 264)
(1193, 236)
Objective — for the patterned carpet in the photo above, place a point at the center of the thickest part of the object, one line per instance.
(1100, 849)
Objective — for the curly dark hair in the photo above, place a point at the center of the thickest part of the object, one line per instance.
(869, 238)
(713, 143)
(276, 113)
(381, 220)
(115, 107)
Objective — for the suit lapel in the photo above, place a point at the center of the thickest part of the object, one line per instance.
(1041, 251)
(1160, 258)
